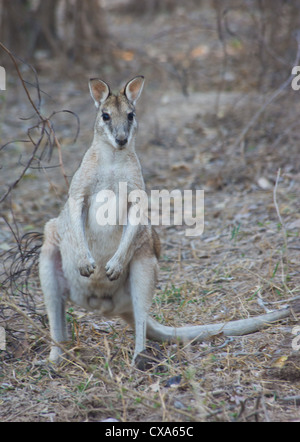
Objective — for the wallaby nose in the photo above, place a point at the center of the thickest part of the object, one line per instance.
(121, 141)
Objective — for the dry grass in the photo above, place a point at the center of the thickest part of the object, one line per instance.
(235, 270)
(244, 263)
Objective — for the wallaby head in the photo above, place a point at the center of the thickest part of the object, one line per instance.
(116, 122)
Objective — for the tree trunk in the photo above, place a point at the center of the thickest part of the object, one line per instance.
(73, 28)
(90, 34)
(15, 25)
(45, 27)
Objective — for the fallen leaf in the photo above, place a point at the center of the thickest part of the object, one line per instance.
(125, 55)
(199, 51)
(154, 387)
(264, 183)
(280, 362)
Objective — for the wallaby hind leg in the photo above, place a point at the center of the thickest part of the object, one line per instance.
(54, 287)
(142, 282)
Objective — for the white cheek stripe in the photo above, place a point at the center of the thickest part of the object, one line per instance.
(110, 137)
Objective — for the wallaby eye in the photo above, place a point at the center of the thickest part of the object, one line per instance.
(105, 116)
(130, 116)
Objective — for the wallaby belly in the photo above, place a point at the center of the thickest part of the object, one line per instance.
(95, 292)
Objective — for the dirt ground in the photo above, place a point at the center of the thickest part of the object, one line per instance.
(246, 262)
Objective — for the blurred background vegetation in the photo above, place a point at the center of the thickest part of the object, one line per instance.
(256, 37)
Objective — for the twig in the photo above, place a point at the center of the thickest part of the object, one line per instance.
(42, 120)
(147, 401)
(22, 411)
(272, 98)
(277, 207)
(12, 186)
(43, 333)
(13, 58)
(283, 253)
(270, 283)
(219, 14)
(292, 399)
(264, 407)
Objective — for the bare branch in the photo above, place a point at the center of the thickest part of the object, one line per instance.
(45, 122)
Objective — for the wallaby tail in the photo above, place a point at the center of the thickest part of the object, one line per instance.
(159, 332)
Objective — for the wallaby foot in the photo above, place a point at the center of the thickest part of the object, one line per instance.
(55, 356)
(150, 358)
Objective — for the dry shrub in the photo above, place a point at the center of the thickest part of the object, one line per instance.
(263, 35)
(61, 28)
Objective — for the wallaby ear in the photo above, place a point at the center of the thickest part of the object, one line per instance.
(134, 88)
(99, 91)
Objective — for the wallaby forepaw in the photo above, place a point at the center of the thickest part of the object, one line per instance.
(87, 269)
(113, 270)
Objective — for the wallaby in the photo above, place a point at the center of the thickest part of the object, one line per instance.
(112, 268)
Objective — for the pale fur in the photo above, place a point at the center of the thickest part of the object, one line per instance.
(111, 269)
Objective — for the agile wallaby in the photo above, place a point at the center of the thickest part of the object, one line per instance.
(112, 268)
